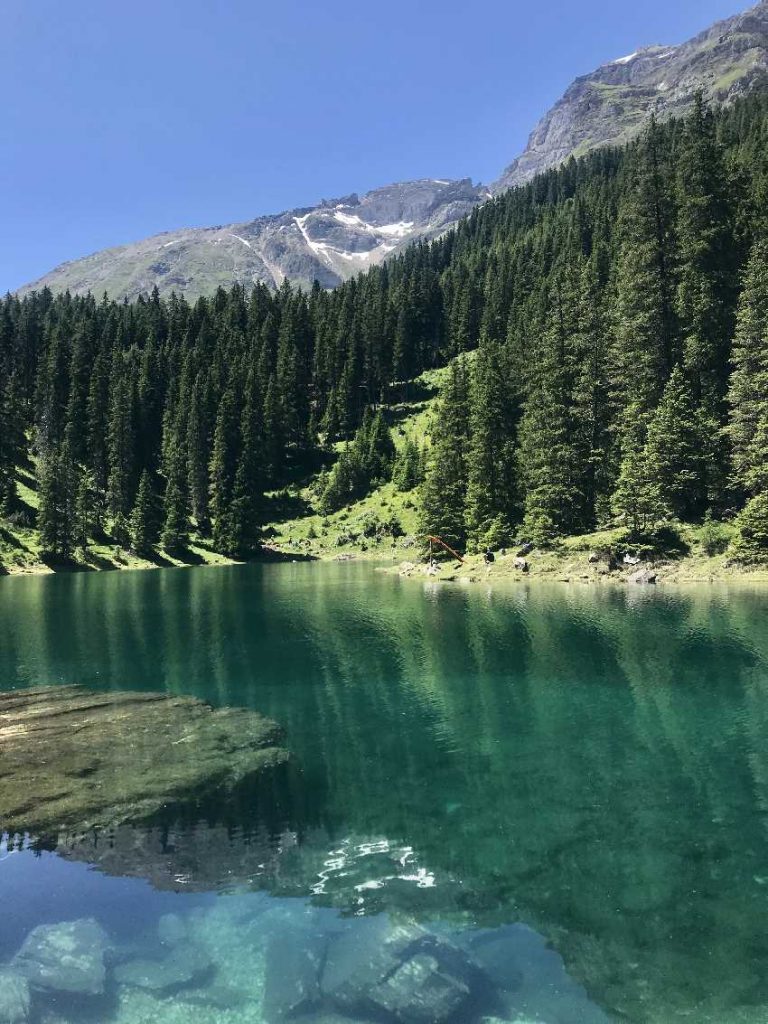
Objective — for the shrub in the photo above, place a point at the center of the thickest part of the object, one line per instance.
(714, 537)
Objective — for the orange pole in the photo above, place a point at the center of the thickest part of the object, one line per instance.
(447, 547)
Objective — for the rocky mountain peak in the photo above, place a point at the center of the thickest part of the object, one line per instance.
(610, 105)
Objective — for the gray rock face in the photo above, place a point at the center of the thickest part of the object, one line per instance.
(184, 965)
(328, 243)
(14, 998)
(65, 957)
(611, 105)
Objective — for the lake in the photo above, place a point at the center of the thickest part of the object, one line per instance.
(538, 803)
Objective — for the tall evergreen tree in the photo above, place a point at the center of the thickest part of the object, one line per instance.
(143, 522)
(444, 491)
(492, 489)
(748, 393)
(676, 448)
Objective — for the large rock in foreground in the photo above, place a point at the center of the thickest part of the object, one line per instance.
(65, 957)
(72, 760)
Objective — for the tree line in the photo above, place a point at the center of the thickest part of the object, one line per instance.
(617, 309)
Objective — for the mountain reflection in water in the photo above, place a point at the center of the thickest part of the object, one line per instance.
(580, 772)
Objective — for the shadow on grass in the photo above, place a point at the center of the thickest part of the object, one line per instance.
(269, 554)
(58, 564)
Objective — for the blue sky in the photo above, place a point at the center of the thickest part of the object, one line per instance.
(122, 120)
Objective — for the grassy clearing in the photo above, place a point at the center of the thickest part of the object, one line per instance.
(569, 562)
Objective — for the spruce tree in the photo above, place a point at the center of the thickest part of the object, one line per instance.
(240, 532)
(675, 452)
(751, 544)
(706, 292)
(492, 489)
(637, 500)
(442, 510)
(748, 392)
(143, 521)
(223, 466)
(174, 537)
(56, 489)
(645, 325)
(84, 518)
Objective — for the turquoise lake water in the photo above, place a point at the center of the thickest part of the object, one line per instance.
(541, 803)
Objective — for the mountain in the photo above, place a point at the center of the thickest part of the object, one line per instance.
(610, 105)
(336, 239)
(329, 243)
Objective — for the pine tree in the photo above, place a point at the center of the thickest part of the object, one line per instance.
(645, 320)
(143, 522)
(12, 442)
(442, 511)
(84, 518)
(407, 471)
(748, 393)
(675, 452)
(56, 488)
(223, 466)
(176, 527)
(552, 461)
(706, 293)
(751, 543)
(197, 460)
(240, 531)
(637, 500)
(120, 444)
(492, 489)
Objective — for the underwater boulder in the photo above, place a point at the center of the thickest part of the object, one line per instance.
(398, 970)
(185, 965)
(172, 929)
(420, 991)
(294, 960)
(15, 998)
(65, 957)
(72, 760)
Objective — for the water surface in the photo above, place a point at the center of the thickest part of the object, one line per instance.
(577, 774)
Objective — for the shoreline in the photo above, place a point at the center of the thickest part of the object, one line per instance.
(402, 561)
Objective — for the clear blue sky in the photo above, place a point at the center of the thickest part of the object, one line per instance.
(122, 120)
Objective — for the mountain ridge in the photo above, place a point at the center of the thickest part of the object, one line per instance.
(338, 238)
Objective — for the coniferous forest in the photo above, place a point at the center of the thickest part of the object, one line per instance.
(617, 309)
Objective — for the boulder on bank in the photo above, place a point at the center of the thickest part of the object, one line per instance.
(643, 576)
(65, 957)
(72, 760)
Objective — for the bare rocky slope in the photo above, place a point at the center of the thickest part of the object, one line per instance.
(338, 238)
(328, 243)
(610, 105)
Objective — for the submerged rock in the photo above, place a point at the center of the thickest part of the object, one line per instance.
(385, 968)
(65, 957)
(172, 929)
(14, 998)
(294, 960)
(185, 965)
(419, 990)
(72, 760)
(365, 955)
